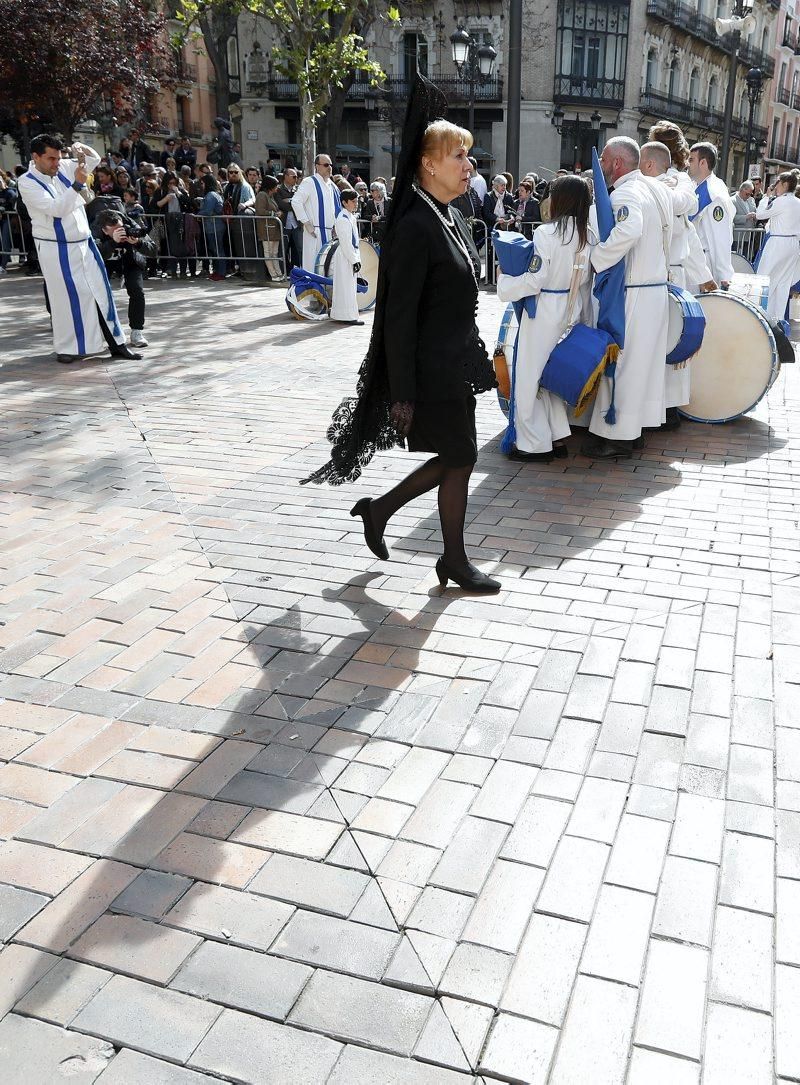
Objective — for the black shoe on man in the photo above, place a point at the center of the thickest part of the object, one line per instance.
(120, 350)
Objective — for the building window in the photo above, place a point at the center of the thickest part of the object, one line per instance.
(711, 101)
(232, 60)
(591, 50)
(415, 55)
(651, 72)
(694, 83)
(673, 78)
(782, 80)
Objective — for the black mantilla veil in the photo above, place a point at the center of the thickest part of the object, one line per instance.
(360, 426)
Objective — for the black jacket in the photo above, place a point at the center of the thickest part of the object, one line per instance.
(532, 212)
(127, 255)
(489, 204)
(429, 315)
(283, 198)
(185, 156)
(376, 229)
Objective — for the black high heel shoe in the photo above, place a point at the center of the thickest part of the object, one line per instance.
(476, 581)
(371, 538)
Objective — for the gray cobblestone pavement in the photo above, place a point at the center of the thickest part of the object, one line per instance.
(272, 811)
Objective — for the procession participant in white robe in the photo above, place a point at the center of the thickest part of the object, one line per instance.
(541, 419)
(316, 204)
(714, 217)
(642, 231)
(779, 258)
(346, 262)
(81, 302)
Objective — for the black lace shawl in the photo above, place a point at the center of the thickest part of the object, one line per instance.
(361, 426)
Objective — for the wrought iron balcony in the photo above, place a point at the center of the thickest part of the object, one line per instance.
(692, 113)
(681, 15)
(784, 96)
(789, 39)
(455, 88)
(779, 151)
(569, 89)
(185, 72)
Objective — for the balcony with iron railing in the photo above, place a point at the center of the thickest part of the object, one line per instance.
(707, 120)
(784, 96)
(789, 39)
(578, 90)
(456, 89)
(687, 18)
(185, 72)
(779, 151)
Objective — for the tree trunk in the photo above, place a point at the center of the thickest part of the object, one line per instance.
(217, 27)
(333, 116)
(308, 135)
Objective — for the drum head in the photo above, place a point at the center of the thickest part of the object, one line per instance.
(740, 264)
(675, 330)
(737, 363)
(506, 338)
(368, 275)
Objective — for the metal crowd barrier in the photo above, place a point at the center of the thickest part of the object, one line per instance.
(218, 241)
(14, 237)
(747, 241)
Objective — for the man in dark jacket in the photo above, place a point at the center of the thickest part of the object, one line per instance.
(126, 245)
(294, 231)
(498, 205)
(140, 152)
(185, 155)
(526, 210)
(376, 209)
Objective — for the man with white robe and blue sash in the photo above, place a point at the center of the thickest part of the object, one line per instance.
(714, 218)
(82, 309)
(316, 204)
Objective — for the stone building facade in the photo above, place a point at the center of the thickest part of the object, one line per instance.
(783, 119)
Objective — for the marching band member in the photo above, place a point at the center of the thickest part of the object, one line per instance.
(316, 203)
(642, 230)
(563, 244)
(779, 257)
(714, 218)
(81, 301)
(346, 262)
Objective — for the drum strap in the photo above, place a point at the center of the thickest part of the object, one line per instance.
(574, 286)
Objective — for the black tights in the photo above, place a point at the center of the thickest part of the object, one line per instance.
(453, 483)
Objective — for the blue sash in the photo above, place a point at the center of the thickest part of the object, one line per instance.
(337, 207)
(704, 198)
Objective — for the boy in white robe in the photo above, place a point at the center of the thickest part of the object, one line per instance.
(316, 204)
(346, 262)
(81, 302)
(714, 218)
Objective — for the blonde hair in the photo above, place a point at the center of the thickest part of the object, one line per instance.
(441, 137)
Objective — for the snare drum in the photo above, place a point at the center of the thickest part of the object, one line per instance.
(737, 363)
(686, 325)
(506, 338)
(753, 288)
(367, 277)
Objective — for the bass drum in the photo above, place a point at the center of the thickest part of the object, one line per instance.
(368, 276)
(506, 338)
(741, 265)
(737, 363)
(307, 303)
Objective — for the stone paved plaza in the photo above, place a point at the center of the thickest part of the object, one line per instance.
(275, 812)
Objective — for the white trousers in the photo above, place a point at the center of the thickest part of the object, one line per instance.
(77, 284)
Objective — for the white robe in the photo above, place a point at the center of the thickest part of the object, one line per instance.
(780, 257)
(305, 204)
(637, 236)
(541, 417)
(347, 255)
(714, 225)
(73, 269)
(677, 379)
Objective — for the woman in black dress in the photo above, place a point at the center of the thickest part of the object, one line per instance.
(426, 360)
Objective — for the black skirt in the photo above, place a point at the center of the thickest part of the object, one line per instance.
(446, 428)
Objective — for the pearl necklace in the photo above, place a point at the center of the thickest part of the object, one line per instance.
(448, 221)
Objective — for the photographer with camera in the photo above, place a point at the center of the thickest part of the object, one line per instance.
(127, 246)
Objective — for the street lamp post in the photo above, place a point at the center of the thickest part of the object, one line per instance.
(476, 61)
(740, 10)
(755, 81)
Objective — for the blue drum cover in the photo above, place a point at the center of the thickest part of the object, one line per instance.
(694, 325)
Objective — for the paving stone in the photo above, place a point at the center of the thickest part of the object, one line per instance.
(618, 935)
(571, 746)
(699, 828)
(503, 794)
(68, 813)
(140, 948)
(467, 769)
(476, 973)
(469, 856)
(327, 942)
(788, 925)
(520, 1050)
(747, 877)
(40, 869)
(250, 1049)
(133, 1068)
(157, 1022)
(278, 831)
(622, 729)
(441, 912)
(408, 862)
(741, 960)
(438, 1042)
(573, 881)
(685, 902)
(637, 857)
(354, 1009)
(210, 910)
(738, 1046)
(504, 906)
(788, 862)
(673, 999)
(32, 1051)
(656, 1068)
(360, 1066)
(659, 761)
(374, 909)
(20, 968)
(750, 775)
(598, 809)
(439, 814)
(151, 894)
(63, 991)
(787, 1014)
(407, 970)
(545, 968)
(242, 978)
(310, 884)
(413, 776)
(597, 1032)
(17, 906)
(537, 831)
(206, 859)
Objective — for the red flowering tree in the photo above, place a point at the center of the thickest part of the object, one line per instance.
(66, 63)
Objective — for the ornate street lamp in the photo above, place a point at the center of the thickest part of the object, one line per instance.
(755, 83)
(473, 60)
(741, 19)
